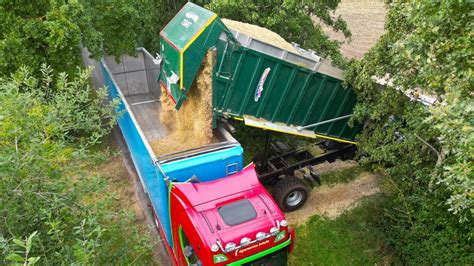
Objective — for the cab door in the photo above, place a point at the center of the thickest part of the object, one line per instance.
(188, 250)
(186, 242)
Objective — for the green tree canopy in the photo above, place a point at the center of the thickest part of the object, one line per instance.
(51, 32)
(37, 32)
(426, 151)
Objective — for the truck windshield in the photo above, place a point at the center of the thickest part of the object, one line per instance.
(237, 212)
(278, 258)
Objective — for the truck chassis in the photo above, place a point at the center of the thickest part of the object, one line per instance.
(279, 163)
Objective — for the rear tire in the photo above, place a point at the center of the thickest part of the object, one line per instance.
(290, 193)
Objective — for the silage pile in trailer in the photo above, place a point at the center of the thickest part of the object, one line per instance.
(260, 33)
(191, 126)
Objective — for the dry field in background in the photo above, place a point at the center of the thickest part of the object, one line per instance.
(365, 19)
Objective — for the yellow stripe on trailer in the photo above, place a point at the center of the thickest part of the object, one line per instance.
(259, 123)
(284, 131)
(181, 55)
(263, 124)
(336, 139)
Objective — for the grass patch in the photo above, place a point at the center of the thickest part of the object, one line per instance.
(351, 239)
(341, 176)
(126, 240)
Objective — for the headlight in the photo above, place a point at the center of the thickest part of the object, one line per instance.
(245, 241)
(274, 230)
(214, 248)
(229, 247)
(261, 235)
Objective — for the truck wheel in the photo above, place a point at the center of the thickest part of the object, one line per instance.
(290, 193)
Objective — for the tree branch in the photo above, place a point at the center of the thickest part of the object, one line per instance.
(439, 154)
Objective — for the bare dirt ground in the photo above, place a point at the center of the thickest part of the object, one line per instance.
(332, 201)
(336, 165)
(365, 19)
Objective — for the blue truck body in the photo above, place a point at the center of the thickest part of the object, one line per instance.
(133, 82)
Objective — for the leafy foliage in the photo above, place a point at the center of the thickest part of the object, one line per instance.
(78, 111)
(291, 19)
(52, 32)
(26, 246)
(426, 152)
(41, 32)
(43, 149)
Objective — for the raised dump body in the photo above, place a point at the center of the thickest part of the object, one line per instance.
(133, 83)
(290, 91)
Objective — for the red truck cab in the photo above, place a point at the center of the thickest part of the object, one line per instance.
(242, 226)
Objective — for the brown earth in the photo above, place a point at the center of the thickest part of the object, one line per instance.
(331, 201)
(336, 165)
(365, 19)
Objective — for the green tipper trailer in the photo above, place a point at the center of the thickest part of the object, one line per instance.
(267, 87)
(184, 43)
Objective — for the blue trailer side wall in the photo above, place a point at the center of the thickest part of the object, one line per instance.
(154, 184)
(207, 166)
